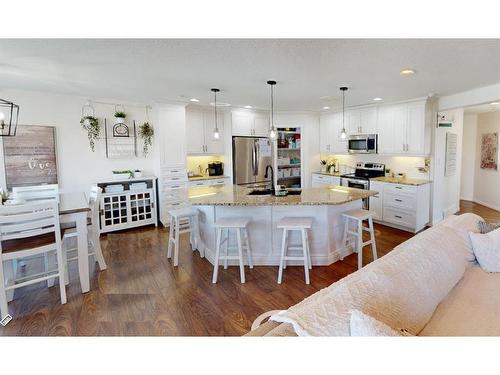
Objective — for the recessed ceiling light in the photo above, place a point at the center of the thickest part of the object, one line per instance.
(377, 99)
(407, 72)
(248, 107)
(194, 100)
(494, 103)
(326, 107)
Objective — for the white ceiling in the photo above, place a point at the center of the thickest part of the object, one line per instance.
(483, 108)
(306, 70)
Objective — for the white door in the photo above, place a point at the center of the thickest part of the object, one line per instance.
(400, 128)
(261, 125)
(195, 134)
(242, 124)
(416, 129)
(213, 146)
(368, 120)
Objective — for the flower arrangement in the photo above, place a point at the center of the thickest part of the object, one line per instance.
(146, 132)
(4, 195)
(91, 125)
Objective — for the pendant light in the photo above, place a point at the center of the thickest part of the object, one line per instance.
(9, 112)
(216, 134)
(343, 134)
(272, 129)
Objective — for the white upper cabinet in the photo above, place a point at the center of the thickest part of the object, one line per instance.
(195, 132)
(368, 120)
(200, 125)
(330, 126)
(416, 129)
(402, 128)
(249, 124)
(171, 125)
(242, 124)
(261, 125)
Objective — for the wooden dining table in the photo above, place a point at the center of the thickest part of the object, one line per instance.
(73, 208)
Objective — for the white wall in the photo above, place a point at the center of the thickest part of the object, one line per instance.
(486, 181)
(468, 157)
(446, 192)
(78, 166)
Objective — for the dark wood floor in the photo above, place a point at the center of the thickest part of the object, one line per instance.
(142, 294)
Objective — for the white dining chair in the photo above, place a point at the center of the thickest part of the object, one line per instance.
(94, 231)
(28, 230)
(31, 193)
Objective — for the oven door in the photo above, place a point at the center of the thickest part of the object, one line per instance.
(358, 144)
(357, 184)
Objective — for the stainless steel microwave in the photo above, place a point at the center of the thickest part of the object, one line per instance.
(362, 144)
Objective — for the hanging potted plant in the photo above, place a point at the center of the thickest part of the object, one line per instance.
(146, 132)
(120, 117)
(90, 124)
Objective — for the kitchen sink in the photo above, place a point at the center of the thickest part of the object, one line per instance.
(260, 192)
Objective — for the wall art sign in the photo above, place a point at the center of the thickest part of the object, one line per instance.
(30, 156)
(450, 167)
(489, 151)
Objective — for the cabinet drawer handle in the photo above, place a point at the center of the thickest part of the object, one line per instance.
(398, 187)
(398, 200)
(399, 217)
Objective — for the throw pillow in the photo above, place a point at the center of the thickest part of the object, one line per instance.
(487, 250)
(365, 325)
(485, 227)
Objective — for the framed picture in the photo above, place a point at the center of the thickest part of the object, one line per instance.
(489, 151)
(30, 156)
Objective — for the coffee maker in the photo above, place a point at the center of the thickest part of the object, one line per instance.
(215, 168)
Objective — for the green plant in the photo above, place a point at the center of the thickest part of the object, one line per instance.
(4, 194)
(120, 114)
(91, 125)
(323, 162)
(123, 172)
(146, 132)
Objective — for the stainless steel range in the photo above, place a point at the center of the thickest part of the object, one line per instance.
(360, 179)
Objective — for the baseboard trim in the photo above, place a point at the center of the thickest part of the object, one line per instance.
(486, 205)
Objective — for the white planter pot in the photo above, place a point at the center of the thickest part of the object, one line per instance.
(119, 120)
(138, 174)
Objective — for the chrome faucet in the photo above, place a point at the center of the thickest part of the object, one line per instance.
(272, 177)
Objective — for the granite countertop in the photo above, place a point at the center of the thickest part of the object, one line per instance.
(234, 195)
(198, 178)
(402, 181)
(336, 174)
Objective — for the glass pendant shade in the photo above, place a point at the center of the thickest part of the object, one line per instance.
(9, 113)
(272, 134)
(216, 133)
(272, 130)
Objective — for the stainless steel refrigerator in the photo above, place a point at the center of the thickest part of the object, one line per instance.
(251, 155)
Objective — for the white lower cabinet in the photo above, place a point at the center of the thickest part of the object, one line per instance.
(209, 182)
(376, 201)
(402, 206)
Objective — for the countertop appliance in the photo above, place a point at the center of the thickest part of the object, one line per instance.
(360, 179)
(215, 168)
(251, 156)
(362, 144)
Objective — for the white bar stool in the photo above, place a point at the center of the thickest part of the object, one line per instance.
(240, 225)
(183, 220)
(301, 224)
(359, 216)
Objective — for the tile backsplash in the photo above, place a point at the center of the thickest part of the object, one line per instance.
(194, 161)
(398, 164)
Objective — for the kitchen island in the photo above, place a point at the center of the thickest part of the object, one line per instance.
(324, 204)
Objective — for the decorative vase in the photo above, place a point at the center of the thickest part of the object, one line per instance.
(137, 174)
(119, 120)
(323, 169)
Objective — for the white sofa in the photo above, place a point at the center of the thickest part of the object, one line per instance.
(429, 285)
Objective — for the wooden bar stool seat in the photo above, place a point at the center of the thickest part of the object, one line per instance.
(358, 216)
(183, 220)
(301, 224)
(240, 226)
